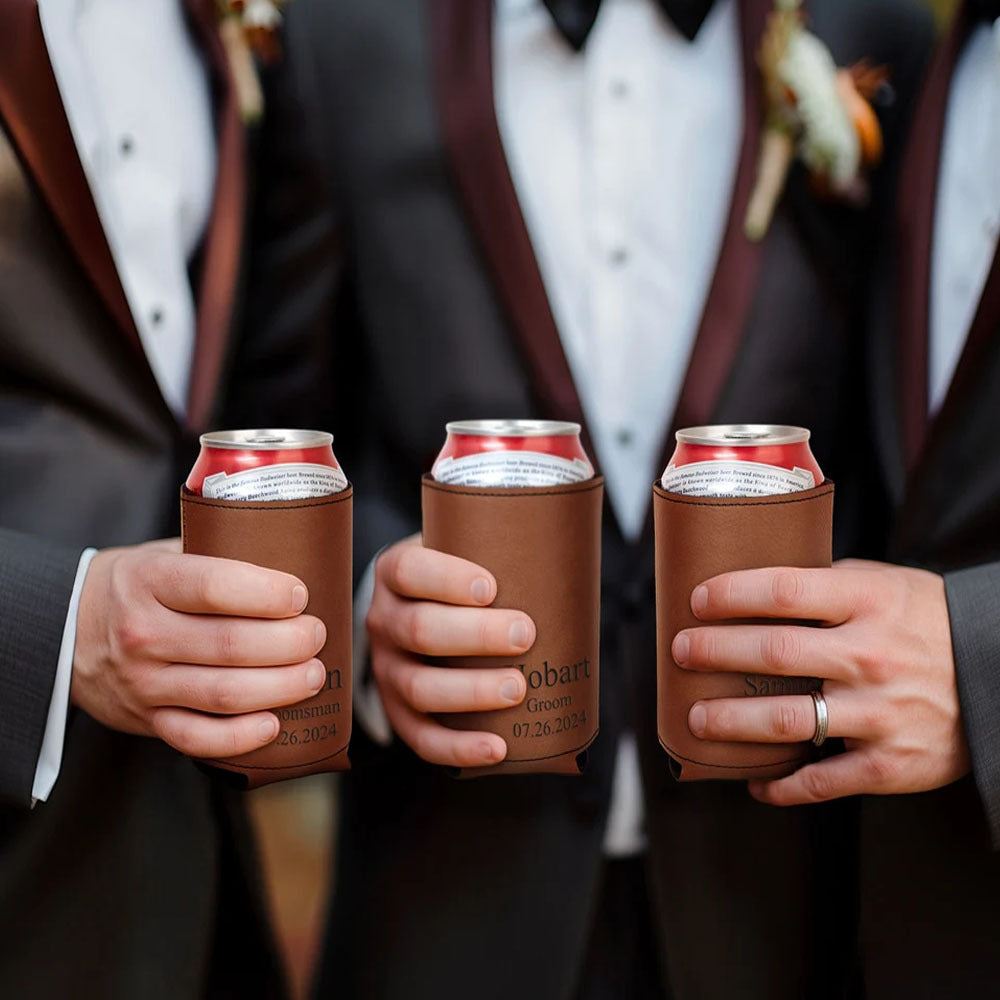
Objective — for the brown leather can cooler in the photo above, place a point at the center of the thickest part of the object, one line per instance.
(698, 538)
(543, 546)
(312, 540)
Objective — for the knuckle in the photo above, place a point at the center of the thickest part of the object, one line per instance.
(816, 783)
(785, 720)
(703, 647)
(404, 568)
(375, 619)
(204, 584)
(225, 698)
(172, 730)
(305, 638)
(781, 649)
(787, 589)
(720, 721)
(226, 643)
(420, 631)
(423, 745)
(134, 634)
(413, 689)
(880, 771)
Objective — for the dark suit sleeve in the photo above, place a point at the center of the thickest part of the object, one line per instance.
(974, 609)
(36, 581)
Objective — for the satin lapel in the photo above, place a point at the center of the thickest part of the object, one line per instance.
(33, 114)
(915, 234)
(221, 250)
(461, 39)
(732, 291)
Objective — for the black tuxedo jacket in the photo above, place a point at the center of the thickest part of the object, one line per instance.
(930, 867)
(384, 178)
(135, 878)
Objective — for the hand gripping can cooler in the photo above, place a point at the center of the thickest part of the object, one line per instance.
(733, 497)
(279, 499)
(519, 497)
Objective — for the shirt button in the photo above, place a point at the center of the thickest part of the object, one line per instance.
(619, 89)
(157, 316)
(625, 437)
(618, 256)
(125, 145)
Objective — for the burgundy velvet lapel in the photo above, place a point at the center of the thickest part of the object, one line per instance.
(731, 294)
(221, 250)
(32, 112)
(915, 233)
(461, 33)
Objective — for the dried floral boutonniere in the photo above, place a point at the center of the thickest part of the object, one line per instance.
(250, 29)
(815, 110)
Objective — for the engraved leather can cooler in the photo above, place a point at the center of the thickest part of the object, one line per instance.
(543, 545)
(311, 539)
(696, 539)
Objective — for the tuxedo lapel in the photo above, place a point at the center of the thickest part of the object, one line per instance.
(221, 250)
(461, 32)
(915, 233)
(32, 113)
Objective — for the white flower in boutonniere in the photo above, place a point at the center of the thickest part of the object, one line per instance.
(815, 110)
(250, 28)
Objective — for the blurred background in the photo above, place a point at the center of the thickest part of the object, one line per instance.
(296, 825)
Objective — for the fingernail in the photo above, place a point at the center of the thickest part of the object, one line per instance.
(315, 676)
(699, 600)
(482, 590)
(300, 597)
(697, 719)
(268, 730)
(682, 648)
(320, 634)
(510, 691)
(520, 634)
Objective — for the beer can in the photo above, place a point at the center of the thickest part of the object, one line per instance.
(266, 464)
(512, 453)
(741, 460)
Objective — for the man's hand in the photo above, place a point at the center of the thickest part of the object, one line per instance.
(427, 603)
(885, 658)
(193, 649)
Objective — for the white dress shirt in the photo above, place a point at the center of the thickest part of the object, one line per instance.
(967, 217)
(137, 97)
(624, 158)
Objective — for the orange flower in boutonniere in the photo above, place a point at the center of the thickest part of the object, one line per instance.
(250, 29)
(816, 111)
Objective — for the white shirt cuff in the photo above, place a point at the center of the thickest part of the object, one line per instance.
(50, 758)
(368, 708)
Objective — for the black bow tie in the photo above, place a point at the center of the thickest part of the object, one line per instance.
(988, 10)
(575, 18)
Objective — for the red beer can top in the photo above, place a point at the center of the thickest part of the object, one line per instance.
(741, 460)
(512, 453)
(266, 464)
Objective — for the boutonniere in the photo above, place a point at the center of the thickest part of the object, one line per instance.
(250, 33)
(814, 110)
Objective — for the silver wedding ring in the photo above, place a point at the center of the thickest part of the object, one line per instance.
(822, 718)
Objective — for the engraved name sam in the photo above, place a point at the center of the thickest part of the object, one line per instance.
(756, 685)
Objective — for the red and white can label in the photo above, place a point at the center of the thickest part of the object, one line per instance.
(511, 469)
(735, 479)
(285, 481)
